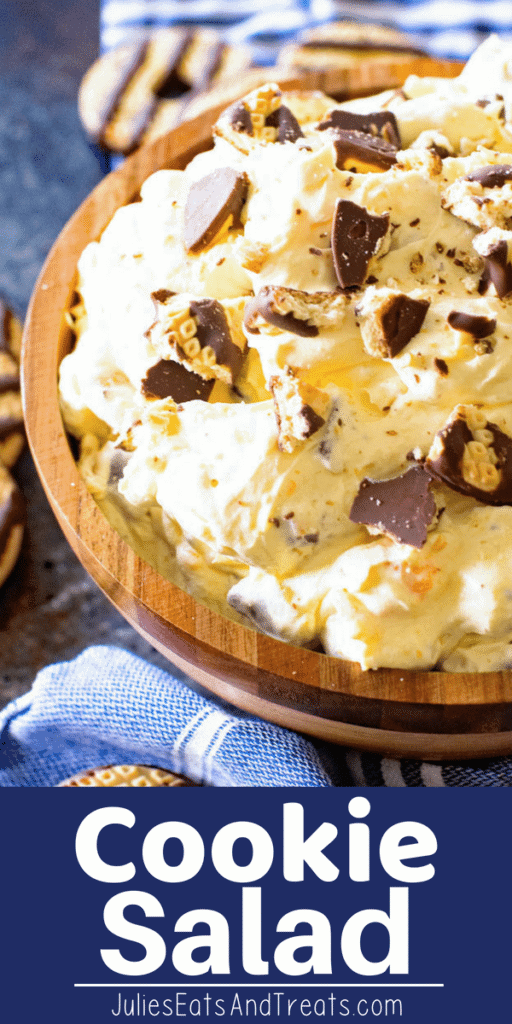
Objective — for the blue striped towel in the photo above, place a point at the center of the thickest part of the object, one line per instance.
(109, 707)
(446, 28)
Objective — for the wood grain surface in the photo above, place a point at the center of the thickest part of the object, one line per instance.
(434, 715)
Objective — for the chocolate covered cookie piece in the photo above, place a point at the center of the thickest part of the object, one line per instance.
(493, 176)
(205, 335)
(136, 775)
(286, 124)
(495, 247)
(240, 119)
(392, 320)
(170, 379)
(214, 336)
(477, 326)
(288, 309)
(265, 306)
(473, 456)
(259, 119)
(296, 417)
(482, 198)
(402, 507)
(381, 123)
(213, 205)
(355, 237)
(498, 269)
(359, 152)
(363, 142)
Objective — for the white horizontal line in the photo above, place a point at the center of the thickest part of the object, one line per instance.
(258, 984)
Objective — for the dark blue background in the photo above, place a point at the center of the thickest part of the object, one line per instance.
(52, 913)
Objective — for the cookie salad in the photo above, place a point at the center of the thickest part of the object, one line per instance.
(291, 379)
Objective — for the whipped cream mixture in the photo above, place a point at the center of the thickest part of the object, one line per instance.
(292, 376)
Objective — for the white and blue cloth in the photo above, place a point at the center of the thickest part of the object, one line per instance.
(109, 707)
(445, 28)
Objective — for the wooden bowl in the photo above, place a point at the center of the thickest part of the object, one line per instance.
(434, 715)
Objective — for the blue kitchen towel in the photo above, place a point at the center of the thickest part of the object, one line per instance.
(108, 706)
(446, 28)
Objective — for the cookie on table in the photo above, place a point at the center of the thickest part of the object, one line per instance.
(131, 94)
(342, 44)
(12, 432)
(136, 775)
(12, 522)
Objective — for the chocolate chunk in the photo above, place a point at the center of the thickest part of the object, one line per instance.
(264, 304)
(312, 420)
(401, 507)
(442, 366)
(355, 236)
(288, 128)
(211, 203)
(477, 326)
(400, 321)
(493, 176)
(240, 119)
(483, 470)
(213, 330)
(440, 151)
(169, 379)
(162, 294)
(370, 150)
(257, 613)
(498, 270)
(118, 464)
(381, 123)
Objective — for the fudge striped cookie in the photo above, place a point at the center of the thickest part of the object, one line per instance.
(137, 92)
(344, 44)
(12, 434)
(136, 775)
(12, 520)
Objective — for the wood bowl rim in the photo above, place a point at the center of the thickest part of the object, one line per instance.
(382, 706)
